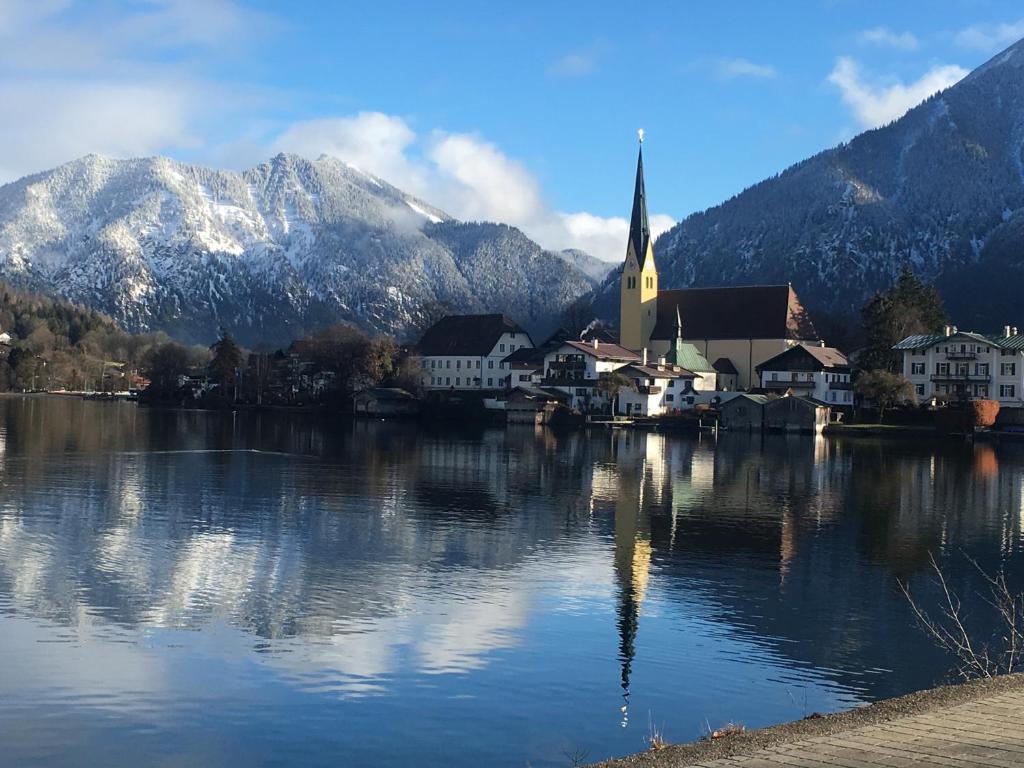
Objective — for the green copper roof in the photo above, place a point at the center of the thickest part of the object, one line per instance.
(639, 228)
(926, 340)
(689, 357)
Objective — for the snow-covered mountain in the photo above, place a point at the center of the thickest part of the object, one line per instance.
(270, 253)
(941, 189)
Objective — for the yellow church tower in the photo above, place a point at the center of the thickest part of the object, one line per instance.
(638, 286)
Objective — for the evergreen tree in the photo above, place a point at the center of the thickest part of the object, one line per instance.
(909, 307)
(227, 358)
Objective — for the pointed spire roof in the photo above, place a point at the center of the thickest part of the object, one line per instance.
(639, 228)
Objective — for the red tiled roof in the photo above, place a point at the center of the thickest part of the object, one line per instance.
(742, 312)
(604, 349)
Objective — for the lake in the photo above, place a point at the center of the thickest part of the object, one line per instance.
(217, 589)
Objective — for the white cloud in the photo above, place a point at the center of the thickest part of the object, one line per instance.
(875, 105)
(990, 37)
(905, 41)
(729, 69)
(463, 174)
(578, 63)
(83, 79)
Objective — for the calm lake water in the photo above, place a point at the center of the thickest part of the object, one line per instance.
(201, 589)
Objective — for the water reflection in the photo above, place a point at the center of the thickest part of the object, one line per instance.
(218, 574)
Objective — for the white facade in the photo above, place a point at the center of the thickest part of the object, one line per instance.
(966, 364)
(659, 391)
(830, 387)
(472, 372)
(575, 368)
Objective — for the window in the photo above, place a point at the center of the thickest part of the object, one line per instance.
(981, 369)
(981, 390)
(961, 369)
(1007, 390)
(942, 369)
(447, 380)
(775, 376)
(458, 381)
(670, 398)
(671, 382)
(433, 364)
(1008, 369)
(917, 369)
(447, 363)
(920, 390)
(501, 347)
(832, 395)
(458, 365)
(490, 382)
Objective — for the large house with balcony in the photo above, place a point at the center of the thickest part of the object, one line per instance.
(657, 389)
(965, 364)
(816, 371)
(576, 368)
(466, 352)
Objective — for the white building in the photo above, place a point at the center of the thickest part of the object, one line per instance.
(465, 352)
(966, 364)
(658, 389)
(576, 367)
(809, 370)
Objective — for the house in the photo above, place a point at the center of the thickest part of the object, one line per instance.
(576, 368)
(532, 405)
(466, 352)
(816, 371)
(743, 412)
(386, 401)
(966, 364)
(744, 325)
(796, 414)
(726, 374)
(524, 367)
(657, 389)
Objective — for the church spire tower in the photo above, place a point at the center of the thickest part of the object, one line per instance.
(638, 287)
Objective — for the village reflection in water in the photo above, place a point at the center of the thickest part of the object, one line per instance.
(224, 575)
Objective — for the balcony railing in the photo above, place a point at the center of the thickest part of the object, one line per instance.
(962, 355)
(648, 390)
(971, 377)
(842, 385)
(567, 365)
(789, 384)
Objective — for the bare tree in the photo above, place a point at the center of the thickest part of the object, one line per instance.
(1002, 653)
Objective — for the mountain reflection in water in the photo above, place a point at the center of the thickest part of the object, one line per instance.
(224, 589)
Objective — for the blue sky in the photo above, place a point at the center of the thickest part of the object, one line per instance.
(522, 112)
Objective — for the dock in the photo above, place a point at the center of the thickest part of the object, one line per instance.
(973, 725)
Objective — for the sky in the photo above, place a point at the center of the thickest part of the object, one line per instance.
(523, 112)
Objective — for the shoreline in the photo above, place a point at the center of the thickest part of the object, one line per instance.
(749, 743)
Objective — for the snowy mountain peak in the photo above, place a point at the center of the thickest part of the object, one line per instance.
(270, 252)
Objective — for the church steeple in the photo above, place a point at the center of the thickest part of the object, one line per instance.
(638, 288)
(639, 228)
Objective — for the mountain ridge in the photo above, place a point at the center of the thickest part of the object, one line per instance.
(940, 189)
(271, 253)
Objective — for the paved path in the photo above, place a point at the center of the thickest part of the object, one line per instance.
(971, 726)
(986, 732)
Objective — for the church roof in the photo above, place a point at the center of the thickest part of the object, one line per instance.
(639, 228)
(742, 312)
(689, 357)
(471, 335)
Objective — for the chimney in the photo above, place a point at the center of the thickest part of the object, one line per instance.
(661, 361)
(645, 356)
(1013, 331)
(822, 343)
(955, 330)
(595, 343)
(947, 330)
(1006, 331)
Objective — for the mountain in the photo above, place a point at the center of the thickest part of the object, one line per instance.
(941, 189)
(270, 253)
(595, 268)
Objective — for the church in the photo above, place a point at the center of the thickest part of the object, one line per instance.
(736, 328)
